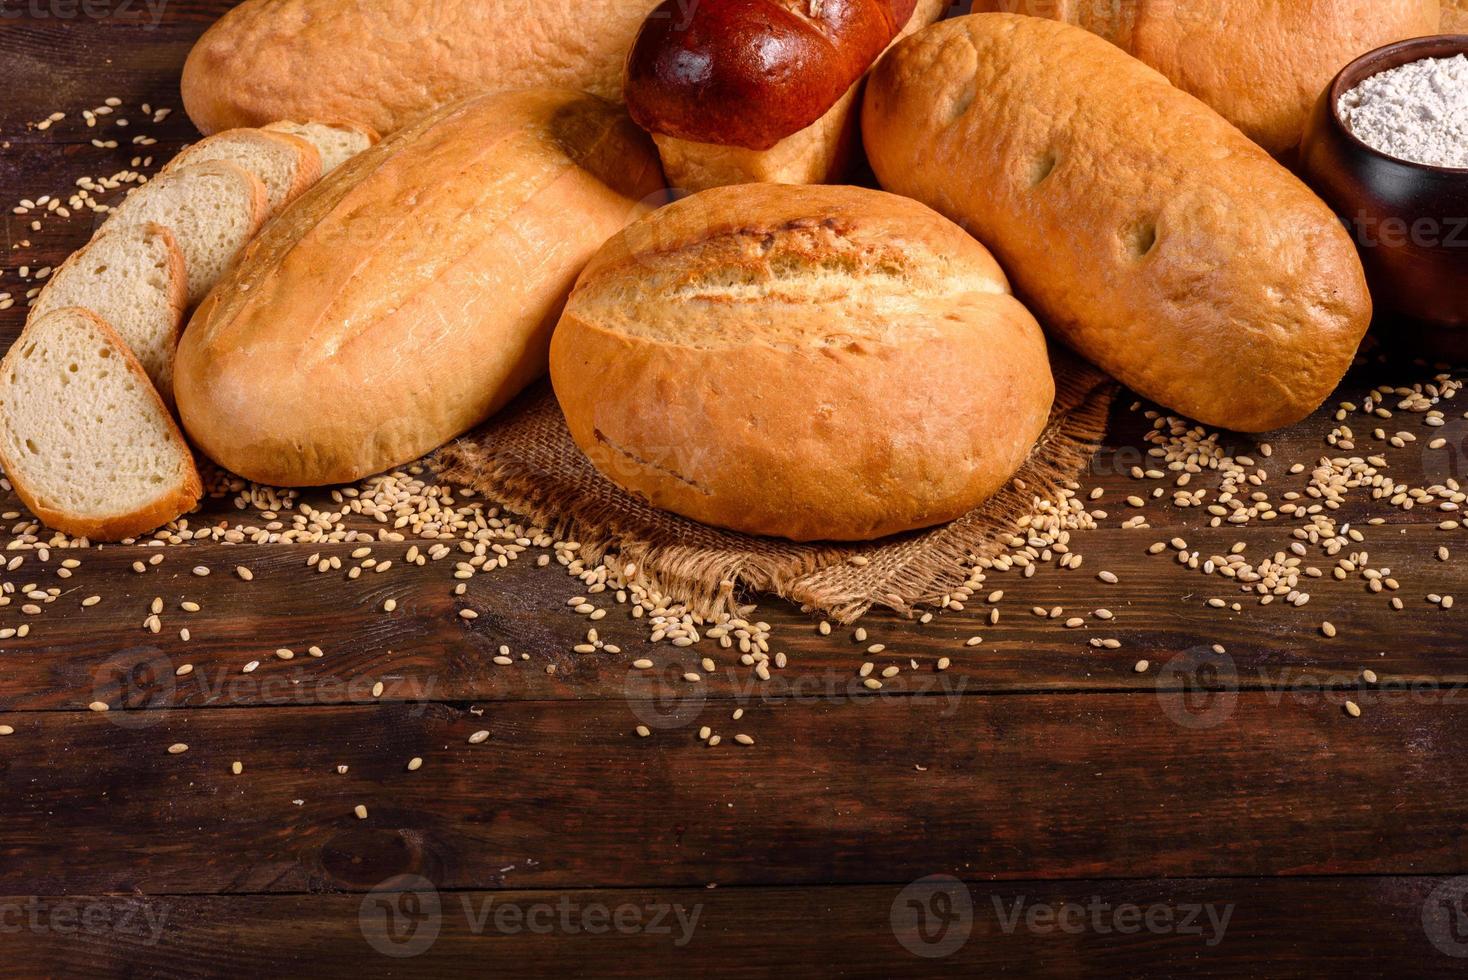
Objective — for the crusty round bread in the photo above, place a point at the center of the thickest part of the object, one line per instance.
(1143, 229)
(803, 362)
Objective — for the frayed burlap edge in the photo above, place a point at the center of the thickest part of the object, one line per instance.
(524, 459)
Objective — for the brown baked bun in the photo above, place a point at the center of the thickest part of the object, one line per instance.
(806, 362)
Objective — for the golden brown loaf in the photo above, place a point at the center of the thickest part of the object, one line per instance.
(383, 63)
(810, 362)
(1455, 16)
(1260, 63)
(1141, 228)
(411, 293)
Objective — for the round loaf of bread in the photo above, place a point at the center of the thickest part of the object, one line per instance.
(807, 362)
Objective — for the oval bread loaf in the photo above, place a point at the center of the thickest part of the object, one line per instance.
(411, 293)
(1143, 229)
(809, 362)
(1260, 63)
(384, 63)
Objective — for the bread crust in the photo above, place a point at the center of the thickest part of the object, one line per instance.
(178, 297)
(813, 363)
(308, 160)
(412, 292)
(818, 153)
(1162, 244)
(362, 129)
(384, 63)
(1261, 64)
(1455, 16)
(258, 201)
(171, 503)
(749, 73)
(372, 136)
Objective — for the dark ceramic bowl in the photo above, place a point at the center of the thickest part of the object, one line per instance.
(1409, 220)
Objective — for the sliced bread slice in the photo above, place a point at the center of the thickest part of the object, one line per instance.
(337, 142)
(212, 208)
(84, 438)
(133, 278)
(288, 165)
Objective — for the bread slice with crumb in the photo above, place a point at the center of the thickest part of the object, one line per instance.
(85, 440)
(133, 278)
(213, 209)
(288, 165)
(337, 142)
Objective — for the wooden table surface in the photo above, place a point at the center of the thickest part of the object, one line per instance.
(1040, 808)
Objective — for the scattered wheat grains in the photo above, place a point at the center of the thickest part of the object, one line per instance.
(1182, 448)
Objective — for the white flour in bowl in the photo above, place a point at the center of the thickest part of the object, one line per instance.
(1418, 112)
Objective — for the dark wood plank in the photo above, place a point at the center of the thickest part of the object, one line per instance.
(1369, 927)
(423, 650)
(67, 55)
(835, 790)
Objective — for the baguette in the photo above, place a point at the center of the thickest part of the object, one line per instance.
(384, 63)
(760, 90)
(805, 362)
(1261, 63)
(1142, 228)
(356, 334)
(86, 442)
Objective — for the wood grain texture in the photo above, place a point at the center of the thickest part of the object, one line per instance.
(837, 789)
(1160, 608)
(1368, 927)
(1037, 768)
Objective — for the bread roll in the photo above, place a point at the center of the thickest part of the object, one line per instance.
(809, 362)
(384, 63)
(411, 293)
(760, 90)
(1260, 63)
(1141, 228)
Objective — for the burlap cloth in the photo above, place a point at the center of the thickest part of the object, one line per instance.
(525, 460)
